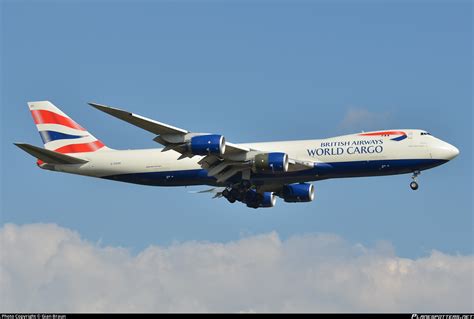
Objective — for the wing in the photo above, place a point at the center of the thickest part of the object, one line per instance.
(217, 191)
(221, 159)
(140, 121)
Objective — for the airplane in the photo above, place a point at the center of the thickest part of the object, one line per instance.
(251, 173)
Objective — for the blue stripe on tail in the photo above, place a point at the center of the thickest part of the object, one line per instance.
(49, 136)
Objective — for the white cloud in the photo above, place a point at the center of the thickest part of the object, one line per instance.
(45, 267)
(363, 119)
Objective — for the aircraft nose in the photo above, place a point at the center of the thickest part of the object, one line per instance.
(452, 151)
(448, 151)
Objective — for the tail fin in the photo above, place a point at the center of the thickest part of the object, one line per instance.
(59, 132)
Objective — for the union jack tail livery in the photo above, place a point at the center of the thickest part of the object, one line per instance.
(59, 132)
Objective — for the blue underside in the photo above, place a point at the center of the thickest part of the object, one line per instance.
(319, 172)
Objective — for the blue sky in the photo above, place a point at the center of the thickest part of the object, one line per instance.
(253, 71)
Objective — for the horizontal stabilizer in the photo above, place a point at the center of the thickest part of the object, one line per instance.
(48, 156)
(217, 191)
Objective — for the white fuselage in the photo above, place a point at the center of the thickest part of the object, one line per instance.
(343, 156)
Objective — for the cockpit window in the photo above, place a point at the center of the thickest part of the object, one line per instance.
(425, 133)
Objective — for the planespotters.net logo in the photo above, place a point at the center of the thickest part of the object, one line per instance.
(431, 316)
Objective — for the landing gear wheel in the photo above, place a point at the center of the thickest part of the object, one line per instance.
(414, 185)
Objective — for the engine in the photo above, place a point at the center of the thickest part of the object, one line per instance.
(269, 199)
(296, 193)
(207, 144)
(270, 162)
(255, 200)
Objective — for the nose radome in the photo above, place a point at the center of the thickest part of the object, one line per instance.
(454, 151)
(444, 151)
(450, 151)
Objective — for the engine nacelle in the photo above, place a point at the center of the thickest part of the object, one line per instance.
(296, 193)
(270, 162)
(207, 144)
(269, 200)
(255, 200)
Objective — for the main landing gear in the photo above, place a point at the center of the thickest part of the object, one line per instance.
(244, 193)
(237, 193)
(414, 184)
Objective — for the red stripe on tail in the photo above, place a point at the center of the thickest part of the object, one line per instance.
(81, 148)
(48, 117)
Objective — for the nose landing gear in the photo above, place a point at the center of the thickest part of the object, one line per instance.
(414, 184)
